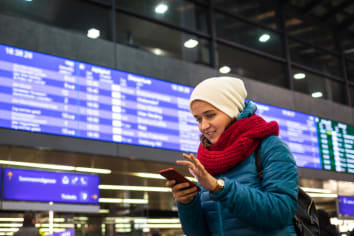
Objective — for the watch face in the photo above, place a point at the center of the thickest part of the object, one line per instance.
(221, 182)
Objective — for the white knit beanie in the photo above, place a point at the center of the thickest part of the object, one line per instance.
(225, 93)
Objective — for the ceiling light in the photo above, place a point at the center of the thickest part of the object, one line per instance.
(123, 200)
(224, 69)
(10, 225)
(191, 43)
(264, 38)
(134, 188)
(316, 190)
(323, 195)
(56, 167)
(148, 175)
(104, 211)
(317, 94)
(299, 76)
(93, 170)
(12, 219)
(161, 8)
(93, 33)
(157, 51)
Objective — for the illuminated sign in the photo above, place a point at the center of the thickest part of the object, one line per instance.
(298, 130)
(49, 94)
(337, 145)
(45, 186)
(346, 205)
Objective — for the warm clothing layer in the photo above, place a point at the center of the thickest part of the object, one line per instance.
(247, 206)
(236, 144)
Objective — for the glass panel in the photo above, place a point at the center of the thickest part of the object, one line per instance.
(309, 32)
(348, 46)
(338, 92)
(352, 94)
(308, 83)
(251, 66)
(161, 40)
(76, 15)
(250, 9)
(350, 70)
(311, 57)
(231, 29)
(178, 12)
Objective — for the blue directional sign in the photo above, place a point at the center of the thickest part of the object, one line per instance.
(346, 205)
(45, 186)
(69, 232)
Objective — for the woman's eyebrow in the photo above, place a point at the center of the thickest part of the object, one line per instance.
(208, 111)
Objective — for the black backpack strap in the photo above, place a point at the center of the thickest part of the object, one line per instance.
(259, 167)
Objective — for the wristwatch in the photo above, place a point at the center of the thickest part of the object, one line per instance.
(220, 183)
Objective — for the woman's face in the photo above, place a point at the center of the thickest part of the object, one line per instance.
(211, 121)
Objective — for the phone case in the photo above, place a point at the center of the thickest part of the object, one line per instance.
(171, 174)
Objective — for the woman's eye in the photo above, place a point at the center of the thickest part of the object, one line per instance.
(210, 116)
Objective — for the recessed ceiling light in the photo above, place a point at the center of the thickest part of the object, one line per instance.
(191, 43)
(264, 38)
(299, 76)
(157, 51)
(317, 94)
(93, 33)
(224, 69)
(161, 8)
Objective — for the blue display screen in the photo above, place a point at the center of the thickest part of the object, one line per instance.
(34, 185)
(69, 232)
(346, 205)
(298, 130)
(48, 94)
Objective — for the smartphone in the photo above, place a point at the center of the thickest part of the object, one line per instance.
(171, 174)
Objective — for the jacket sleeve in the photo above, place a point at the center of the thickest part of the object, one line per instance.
(192, 218)
(274, 204)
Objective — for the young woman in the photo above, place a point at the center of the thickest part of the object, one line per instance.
(233, 199)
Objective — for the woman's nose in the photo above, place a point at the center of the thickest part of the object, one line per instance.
(204, 125)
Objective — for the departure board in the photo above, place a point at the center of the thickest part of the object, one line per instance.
(48, 94)
(336, 145)
(298, 130)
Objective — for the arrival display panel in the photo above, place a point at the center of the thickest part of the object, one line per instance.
(45, 186)
(298, 130)
(48, 94)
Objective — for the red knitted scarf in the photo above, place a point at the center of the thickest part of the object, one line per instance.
(236, 143)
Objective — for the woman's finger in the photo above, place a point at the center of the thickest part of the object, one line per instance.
(185, 163)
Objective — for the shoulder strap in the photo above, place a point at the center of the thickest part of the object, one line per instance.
(259, 167)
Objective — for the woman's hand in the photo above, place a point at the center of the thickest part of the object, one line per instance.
(182, 192)
(197, 170)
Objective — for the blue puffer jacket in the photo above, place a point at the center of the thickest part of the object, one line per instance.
(247, 206)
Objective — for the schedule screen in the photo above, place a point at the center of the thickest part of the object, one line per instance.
(48, 94)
